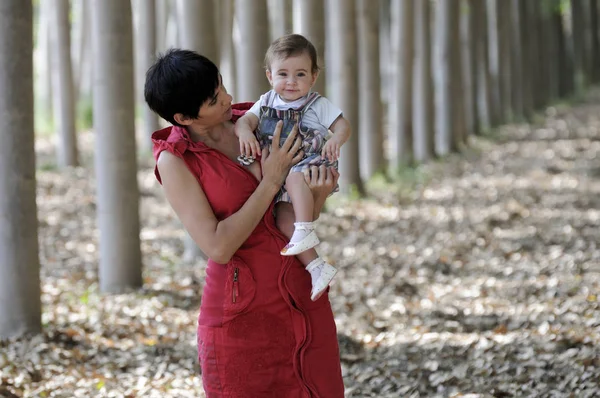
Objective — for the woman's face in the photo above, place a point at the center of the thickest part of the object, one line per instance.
(217, 109)
(292, 77)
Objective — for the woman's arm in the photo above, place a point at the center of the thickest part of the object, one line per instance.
(221, 239)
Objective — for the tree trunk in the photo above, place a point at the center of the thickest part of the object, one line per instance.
(370, 133)
(162, 20)
(195, 19)
(565, 59)
(588, 58)
(251, 43)
(423, 116)
(146, 55)
(483, 99)
(595, 40)
(401, 106)
(81, 42)
(445, 74)
(387, 70)
(516, 61)
(493, 48)
(504, 55)
(43, 65)
(527, 46)
(62, 78)
(226, 48)
(469, 66)
(457, 83)
(280, 18)
(552, 51)
(536, 56)
(343, 80)
(309, 21)
(20, 304)
(115, 161)
(578, 44)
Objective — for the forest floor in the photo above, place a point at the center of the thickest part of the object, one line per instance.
(477, 276)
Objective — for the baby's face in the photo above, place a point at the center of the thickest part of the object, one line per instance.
(291, 78)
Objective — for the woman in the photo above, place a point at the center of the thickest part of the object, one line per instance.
(259, 334)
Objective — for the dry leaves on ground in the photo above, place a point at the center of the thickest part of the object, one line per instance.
(479, 280)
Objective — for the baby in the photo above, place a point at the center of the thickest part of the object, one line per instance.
(292, 69)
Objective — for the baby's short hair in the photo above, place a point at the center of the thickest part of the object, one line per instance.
(291, 45)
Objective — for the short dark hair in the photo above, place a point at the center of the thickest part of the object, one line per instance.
(180, 81)
(289, 46)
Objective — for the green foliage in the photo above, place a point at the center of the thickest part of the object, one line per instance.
(47, 166)
(549, 7)
(43, 123)
(401, 182)
(85, 114)
(564, 5)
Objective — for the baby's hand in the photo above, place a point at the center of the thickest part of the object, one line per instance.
(331, 149)
(249, 145)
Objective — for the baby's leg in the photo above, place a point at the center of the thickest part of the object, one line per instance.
(301, 196)
(304, 236)
(284, 219)
(320, 271)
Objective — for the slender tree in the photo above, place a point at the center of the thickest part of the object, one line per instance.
(448, 78)
(516, 61)
(226, 48)
(80, 31)
(423, 110)
(503, 9)
(493, 48)
(62, 77)
(552, 50)
(342, 78)
(309, 21)
(401, 110)
(195, 19)
(479, 32)
(145, 56)
(43, 63)
(280, 17)
(115, 162)
(20, 303)
(469, 65)
(251, 44)
(578, 43)
(565, 51)
(457, 83)
(370, 132)
(595, 40)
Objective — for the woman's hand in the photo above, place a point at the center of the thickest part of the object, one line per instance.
(321, 181)
(277, 161)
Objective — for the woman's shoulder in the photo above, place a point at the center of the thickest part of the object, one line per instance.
(239, 109)
(169, 145)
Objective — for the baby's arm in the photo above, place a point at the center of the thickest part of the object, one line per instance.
(341, 132)
(244, 129)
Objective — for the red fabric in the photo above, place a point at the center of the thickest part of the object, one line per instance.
(260, 335)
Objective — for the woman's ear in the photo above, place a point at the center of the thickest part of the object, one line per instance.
(181, 119)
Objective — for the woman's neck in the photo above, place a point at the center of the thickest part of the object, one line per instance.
(210, 136)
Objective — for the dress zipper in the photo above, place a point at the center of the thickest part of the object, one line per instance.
(235, 284)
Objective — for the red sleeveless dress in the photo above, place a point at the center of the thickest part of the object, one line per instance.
(259, 334)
